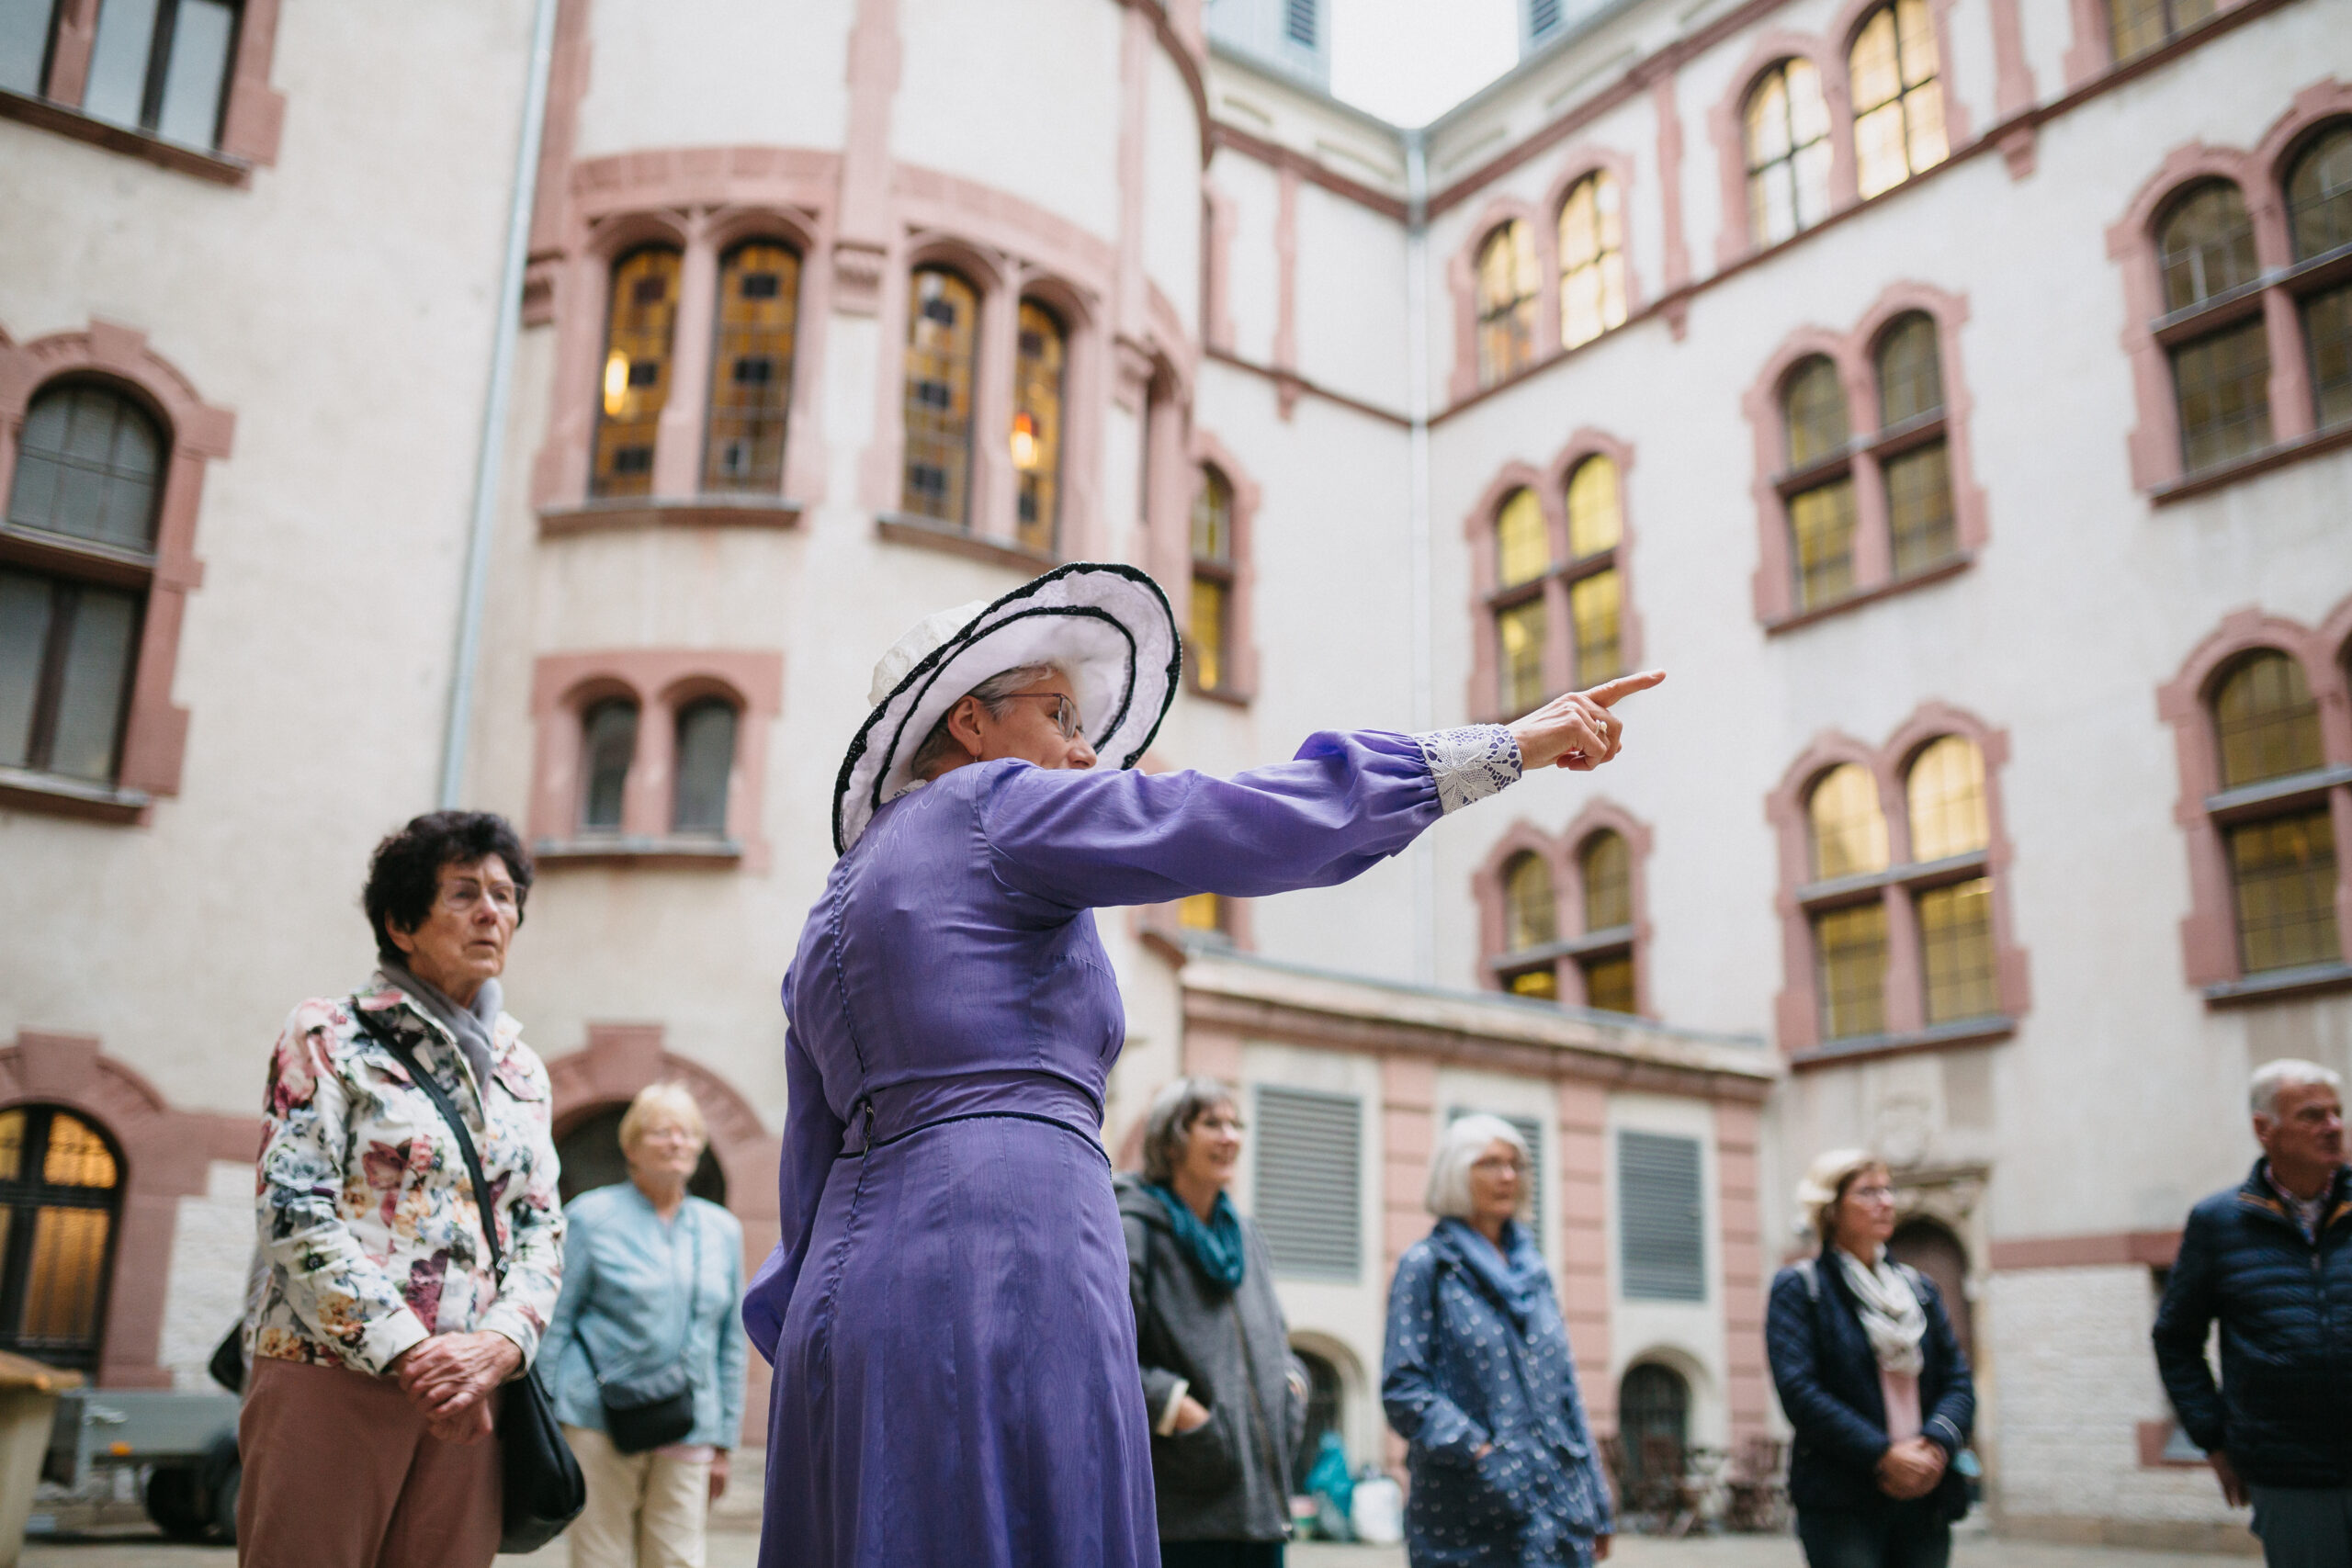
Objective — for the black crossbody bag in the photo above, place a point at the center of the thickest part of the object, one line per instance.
(544, 1488)
(658, 1408)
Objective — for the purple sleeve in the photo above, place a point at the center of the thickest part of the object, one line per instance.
(1115, 836)
(812, 1140)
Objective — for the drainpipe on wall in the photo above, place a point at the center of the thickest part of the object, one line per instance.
(493, 413)
(1417, 489)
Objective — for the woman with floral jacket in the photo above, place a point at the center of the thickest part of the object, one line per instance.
(384, 1331)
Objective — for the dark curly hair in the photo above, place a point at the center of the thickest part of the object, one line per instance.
(405, 873)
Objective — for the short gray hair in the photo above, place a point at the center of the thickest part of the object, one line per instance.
(2274, 1078)
(995, 694)
(1168, 1125)
(1458, 1149)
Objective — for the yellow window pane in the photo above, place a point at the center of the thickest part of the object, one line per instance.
(751, 368)
(2265, 721)
(1530, 912)
(1608, 985)
(12, 1145)
(1877, 77)
(1592, 266)
(1036, 440)
(1787, 127)
(1206, 633)
(1821, 521)
(1923, 126)
(1595, 519)
(1918, 509)
(1212, 518)
(1878, 161)
(639, 321)
(1201, 913)
(64, 1276)
(2319, 194)
(1520, 631)
(1813, 406)
(1607, 867)
(1507, 287)
(1523, 540)
(1946, 799)
(1594, 606)
(1849, 830)
(1910, 370)
(1916, 34)
(1898, 104)
(1850, 953)
(942, 321)
(1956, 951)
(1767, 120)
(2283, 872)
(1542, 983)
(77, 1157)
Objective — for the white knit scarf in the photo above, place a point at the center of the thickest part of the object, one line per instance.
(1891, 1312)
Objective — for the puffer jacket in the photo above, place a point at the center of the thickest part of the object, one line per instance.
(2283, 1413)
(1828, 1381)
(1229, 1479)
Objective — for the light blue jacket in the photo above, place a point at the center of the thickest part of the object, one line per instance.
(629, 1282)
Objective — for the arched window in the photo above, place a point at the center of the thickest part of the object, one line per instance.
(2135, 27)
(1506, 295)
(942, 318)
(1592, 260)
(2319, 205)
(704, 761)
(1209, 633)
(1918, 475)
(639, 323)
(1605, 867)
(609, 746)
(1037, 426)
(1596, 524)
(2222, 378)
(1523, 561)
(1324, 1411)
(750, 367)
(1848, 836)
(1946, 797)
(2205, 245)
(1787, 136)
(2282, 863)
(1820, 500)
(1653, 1425)
(589, 1157)
(1530, 919)
(90, 465)
(1848, 833)
(60, 1188)
(1945, 794)
(1898, 103)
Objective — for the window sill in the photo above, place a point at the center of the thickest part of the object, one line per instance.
(2294, 789)
(904, 528)
(1603, 941)
(720, 853)
(679, 512)
(1919, 874)
(1942, 1036)
(2275, 985)
(2278, 456)
(131, 142)
(1871, 596)
(1231, 696)
(62, 796)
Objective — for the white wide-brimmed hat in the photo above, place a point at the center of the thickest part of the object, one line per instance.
(1108, 625)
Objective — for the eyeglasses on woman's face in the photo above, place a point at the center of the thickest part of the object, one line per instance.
(1065, 710)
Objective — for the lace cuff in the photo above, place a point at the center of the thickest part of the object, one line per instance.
(1470, 764)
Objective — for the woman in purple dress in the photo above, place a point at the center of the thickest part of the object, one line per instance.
(948, 1310)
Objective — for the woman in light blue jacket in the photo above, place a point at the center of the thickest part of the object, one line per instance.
(646, 1357)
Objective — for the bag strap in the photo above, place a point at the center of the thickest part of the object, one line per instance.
(441, 1102)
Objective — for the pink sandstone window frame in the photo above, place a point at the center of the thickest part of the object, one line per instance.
(253, 113)
(2260, 175)
(1240, 645)
(660, 682)
(1797, 1011)
(1550, 483)
(1855, 354)
(155, 739)
(1563, 854)
(2208, 933)
(2090, 53)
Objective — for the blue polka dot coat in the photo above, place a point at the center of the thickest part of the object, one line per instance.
(1477, 1353)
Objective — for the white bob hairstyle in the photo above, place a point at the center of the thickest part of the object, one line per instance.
(661, 1102)
(1458, 1149)
(2274, 1078)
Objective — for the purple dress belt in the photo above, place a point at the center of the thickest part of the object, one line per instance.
(883, 1116)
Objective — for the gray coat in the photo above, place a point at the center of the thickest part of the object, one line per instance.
(1228, 1479)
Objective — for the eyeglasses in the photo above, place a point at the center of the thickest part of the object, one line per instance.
(1495, 1167)
(1874, 1194)
(1065, 711)
(1227, 1124)
(464, 898)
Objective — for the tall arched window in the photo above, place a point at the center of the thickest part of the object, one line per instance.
(1605, 867)
(2135, 27)
(1596, 524)
(1508, 282)
(1945, 791)
(1531, 921)
(1820, 492)
(1848, 839)
(1037, 426)
(704, 763)
(639, 323)
(1898, 103)
(750, 367)
(1210, 628)
(2282, 862)
(942, 318)
(2319, 206)
(608, 747)
(1786, 126)
(2222, 378)
(1522, 562)
(60, 1188)
(90, 465)
(1592, 260)
(1918, 475)
(1654, 1425)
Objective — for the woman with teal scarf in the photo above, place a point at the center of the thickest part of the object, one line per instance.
(1226, 1398)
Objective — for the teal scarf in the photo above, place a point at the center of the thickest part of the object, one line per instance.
(1216, 1248)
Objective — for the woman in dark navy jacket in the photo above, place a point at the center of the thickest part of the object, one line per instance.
(1872, 1380)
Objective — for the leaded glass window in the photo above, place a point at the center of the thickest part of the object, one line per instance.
(1898, 103)
(89, 466)
(1523, 540)
(1608, 984)
(1812, 403)
(1849, 830)
(2205, 245)
(1531, 909)
(1508, 282)
(942, 318)
(1910, 371)
(162, 66)
(2319, 194)
(1520, 631)
(641, 319)
(1209, 624)
(750, 367)
(1206, 632)
(1786, 130)
(2222, 382)
(1596, 606)
(2266, 720)
(1821, 521)
(1945, 793)
(1596, 519)
(1849, 954)
(2327, 327)
(1592, 260)
(1956, 950)
(1037, 427)
(60, 1191)
(2135, 27)
(2282, 871)
(704, 764)
(1606, 866)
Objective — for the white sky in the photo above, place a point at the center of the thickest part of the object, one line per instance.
(1410, 61)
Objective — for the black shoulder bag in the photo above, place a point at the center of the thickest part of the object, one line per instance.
(544, 1489)
(658, 1408)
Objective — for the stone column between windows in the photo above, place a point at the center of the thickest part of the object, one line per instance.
(1903, 1002)
(1583, 1124)
(995, 363)
(645, 794)
(2290, 390)
(69, 52)
(1559, 631)
(677, 448)
(1167, 499)
(1743, 1269)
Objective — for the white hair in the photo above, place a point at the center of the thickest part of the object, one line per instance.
(2274, 1078)
(1458, 1149)
(995, 693)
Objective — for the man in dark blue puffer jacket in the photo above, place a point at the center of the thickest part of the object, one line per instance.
(2272, 1260)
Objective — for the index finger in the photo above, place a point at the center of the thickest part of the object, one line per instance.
(1609, 692)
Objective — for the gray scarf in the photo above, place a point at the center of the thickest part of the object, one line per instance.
(474, 1027)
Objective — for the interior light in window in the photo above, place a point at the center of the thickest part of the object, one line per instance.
(1024, 441)
(615, 383)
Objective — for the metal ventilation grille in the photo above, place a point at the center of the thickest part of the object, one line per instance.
(1309, 1174)
(1299, 21)
(1542, 19)
(1532, 1131)
(1661, 1218)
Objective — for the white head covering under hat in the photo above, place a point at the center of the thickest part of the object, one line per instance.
(1107, 626)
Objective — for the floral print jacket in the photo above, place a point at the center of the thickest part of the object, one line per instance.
(366, 1214)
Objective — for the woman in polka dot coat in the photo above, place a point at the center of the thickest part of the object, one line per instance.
(1477, 1377)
